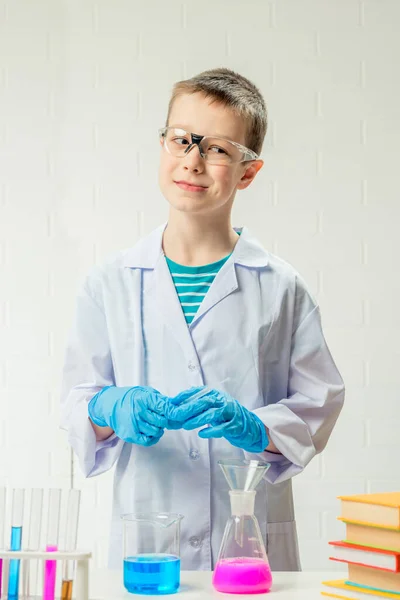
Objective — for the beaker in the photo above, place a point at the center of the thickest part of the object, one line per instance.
(242, 566)
(152, 562)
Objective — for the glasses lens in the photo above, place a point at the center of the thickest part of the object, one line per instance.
(177, 141)
(216, 151)
(220, 152)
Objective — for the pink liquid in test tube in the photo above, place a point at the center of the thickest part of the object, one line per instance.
(50, 570)
(242, 576)
(50, 566)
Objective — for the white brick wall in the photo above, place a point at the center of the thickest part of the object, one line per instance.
(83, 89)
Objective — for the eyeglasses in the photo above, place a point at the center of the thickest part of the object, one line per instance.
(214, 149)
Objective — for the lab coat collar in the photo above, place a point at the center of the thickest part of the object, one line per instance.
(247, 252)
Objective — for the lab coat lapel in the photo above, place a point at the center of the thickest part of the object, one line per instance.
(224, 284)
(162, 293)
(247, 253)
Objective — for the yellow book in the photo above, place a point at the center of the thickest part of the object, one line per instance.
(375, 537)
(343, 591)
(376, 510)
(374, 578)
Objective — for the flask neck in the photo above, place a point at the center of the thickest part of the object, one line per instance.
(242, 503)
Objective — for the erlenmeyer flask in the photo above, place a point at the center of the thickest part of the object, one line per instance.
(242, 566)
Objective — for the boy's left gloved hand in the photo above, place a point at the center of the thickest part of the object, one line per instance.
(227, 418)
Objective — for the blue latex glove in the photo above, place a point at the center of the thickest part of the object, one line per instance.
(137, 414)
(225, 415)
(186, 408)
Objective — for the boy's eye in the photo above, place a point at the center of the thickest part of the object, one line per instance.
(181, 141)
(217, 150)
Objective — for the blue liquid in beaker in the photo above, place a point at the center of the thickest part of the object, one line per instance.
(152, 573)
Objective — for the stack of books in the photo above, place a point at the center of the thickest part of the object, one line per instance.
(371, 548)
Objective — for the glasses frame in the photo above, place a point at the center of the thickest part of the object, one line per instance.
(197, 139)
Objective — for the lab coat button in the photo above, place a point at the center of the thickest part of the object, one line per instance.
(195, 541)
(192, 366)
(194, 454)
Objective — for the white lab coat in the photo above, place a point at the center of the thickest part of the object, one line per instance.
(259, 329)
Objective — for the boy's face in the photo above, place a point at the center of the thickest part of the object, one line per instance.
(215, 185)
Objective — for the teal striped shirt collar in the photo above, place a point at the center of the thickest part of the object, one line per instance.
(198, 270)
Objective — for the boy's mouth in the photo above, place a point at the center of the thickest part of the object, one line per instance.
(190, 187)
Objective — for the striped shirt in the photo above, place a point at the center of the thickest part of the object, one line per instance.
(192, 284)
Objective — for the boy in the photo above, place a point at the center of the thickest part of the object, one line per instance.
(200, 303)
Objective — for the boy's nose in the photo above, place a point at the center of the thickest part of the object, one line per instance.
(193, 160)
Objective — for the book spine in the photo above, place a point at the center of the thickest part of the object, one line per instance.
(358, 564)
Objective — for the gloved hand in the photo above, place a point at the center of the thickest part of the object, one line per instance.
(225, 415)
(137, 414)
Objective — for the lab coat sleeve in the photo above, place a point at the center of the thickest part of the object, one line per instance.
(300, 425)
(87, 369)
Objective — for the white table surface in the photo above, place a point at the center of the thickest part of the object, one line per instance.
(196, 585)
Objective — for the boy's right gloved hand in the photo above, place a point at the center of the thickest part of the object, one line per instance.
(136, 414)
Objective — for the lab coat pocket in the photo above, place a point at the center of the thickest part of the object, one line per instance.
(282, 546)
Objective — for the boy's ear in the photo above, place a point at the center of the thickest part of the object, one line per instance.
(250, 173)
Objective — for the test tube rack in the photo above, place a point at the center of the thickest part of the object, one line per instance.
(81, 582)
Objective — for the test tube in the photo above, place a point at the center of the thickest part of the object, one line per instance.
(53, 522)
(2, 523)
(35, 523)
(71, 533)
(16, 540)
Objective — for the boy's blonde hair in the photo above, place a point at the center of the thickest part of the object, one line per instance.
(233, 91)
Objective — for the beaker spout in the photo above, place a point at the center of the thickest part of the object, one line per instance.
(156, 518)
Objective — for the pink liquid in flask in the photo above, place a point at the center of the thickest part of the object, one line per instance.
(242, 576)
